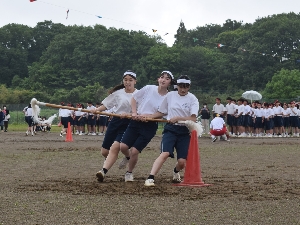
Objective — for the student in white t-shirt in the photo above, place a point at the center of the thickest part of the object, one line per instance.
(119, 99)
(230, 111)
(179, 105)
(218, 128)
(286, 120)
(219, 108)
(138, 133)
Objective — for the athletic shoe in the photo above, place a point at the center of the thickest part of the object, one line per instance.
(81, 134)
(32, 134)
(128, 177)
(176, 178)
(100, 134)
(228, 139)
(149, 183)
(100, 175)
(60, 134)
(76, 132)
(26, 133)
(93, 134)
(214, 139)
(297, 135)
(123, 163)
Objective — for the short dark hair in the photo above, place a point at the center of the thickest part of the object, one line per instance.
(229, 98)
(218, 99)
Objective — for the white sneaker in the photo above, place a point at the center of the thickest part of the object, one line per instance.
(100, 134)
(93, 134)
(176, 178)
(224, 137)
(60, 134)
(100, 175)
(297, 135)
(123, 163)
(128, 177)
(32, 134)
(214, 139)
(27, 133)
(81, 134)
(149, 183)
(76, 132)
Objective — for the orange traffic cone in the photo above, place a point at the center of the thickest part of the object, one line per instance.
(192, 175)
(69, 137)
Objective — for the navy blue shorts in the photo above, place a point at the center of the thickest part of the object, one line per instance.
(258, 122)
(71, 120)
(234, 119)
(102, 120)
(64, 121)
(29, 121)
(268, 124)
(278, 121)
(91, 120)
(286, 121)
(230, 120)
(240, 121)
(271, 123)
(115, 131)
(177, 137)
(138, 134)
(246, 122)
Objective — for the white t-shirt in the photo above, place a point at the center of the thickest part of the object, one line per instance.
(148, 99)
(246, 110)
(259, 112)
(90, 108)
(120, 101)
(240, 109)
(293, 111)
(230, 108)
(268, 112)
(278, 110)
(286, 112)
(218, 108)
(29, 111)
(25, 111)
(217, 123)
(64, 112)
(176, 105)
(78, 113)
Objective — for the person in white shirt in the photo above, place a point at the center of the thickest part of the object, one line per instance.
(294, 119)
(64, 119)
(286, 119)
(278, 121)
(240, 119)
(29, 121)
(267, 119)
(119, 100)
(178, 105)
(246, 117)
(218, 128)
(230, 111)
(138, 133)
(219, 108)
(258, 118)
(91, 119)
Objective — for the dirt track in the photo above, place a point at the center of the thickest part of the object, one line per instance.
(45, 180)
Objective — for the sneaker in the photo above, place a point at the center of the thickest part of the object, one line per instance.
(93, 134)
(32, 134)
(123, 163)
(214, 139)
(27, 133)
(128, 177)
(60, 134)
(81, 134)
(176, 178)
(149, 183)
(100, 134)
(228, 139)
(100, 175)
(76, 133)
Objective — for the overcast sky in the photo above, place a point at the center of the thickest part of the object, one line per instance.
(162, 15)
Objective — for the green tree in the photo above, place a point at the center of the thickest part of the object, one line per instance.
(284, 85)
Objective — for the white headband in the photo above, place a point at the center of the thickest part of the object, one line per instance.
(129, 73)
(168, 72)
(183, 81)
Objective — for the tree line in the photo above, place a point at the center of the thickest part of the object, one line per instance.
(76, 63)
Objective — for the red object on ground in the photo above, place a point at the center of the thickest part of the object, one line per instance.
(192, 175)
(69, 137)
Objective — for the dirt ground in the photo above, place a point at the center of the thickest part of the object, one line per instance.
(45, 180)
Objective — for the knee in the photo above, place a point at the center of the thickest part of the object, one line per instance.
(181, 163)
(104, 152)
(134, 152)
